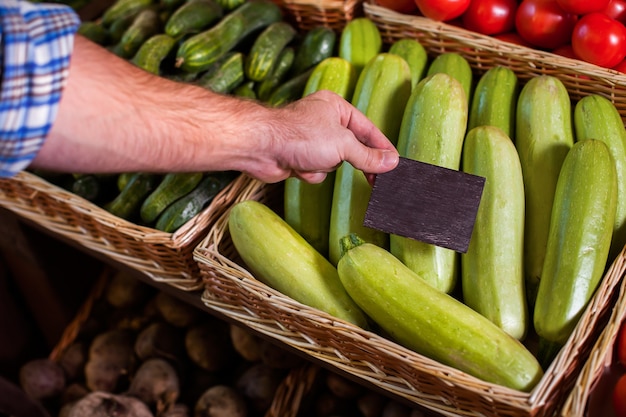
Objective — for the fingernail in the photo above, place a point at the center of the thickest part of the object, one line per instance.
(390, 160)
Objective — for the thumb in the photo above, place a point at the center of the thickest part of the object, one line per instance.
(375, 161)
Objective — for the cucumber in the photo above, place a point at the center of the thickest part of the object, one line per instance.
(127, 203)
(227, 74)
(153, 51)
(492, 273)
(543, 136)
(230, 5)
(266, 50)
(360, 41)
(193, 17)
(87, 187)
(146, 24)
(307, 206)
(431, 322)
(414, 54)
(494, 101)
(118, 27)
(290, 90)
(94, 31)
(579, 239)
(199, 51)
(456, 65)
(123, 8)
(190, 205)
(596, 117)
(246, 89)
(381, 93)
(281, 258)
(170, 4)
(171, 188)
(432, 131)
(278, 74)
(317, 44)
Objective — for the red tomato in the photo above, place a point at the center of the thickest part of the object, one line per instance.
(583, 6)
(490, 17)
(512, 37)
(442, 10)
(566, 50)
(400, 6)
(544, 24)
(619, 397)
(620, 343)
(600, 40)
(617, 10)
(621, 67)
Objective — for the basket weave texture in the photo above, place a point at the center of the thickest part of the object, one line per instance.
(233, 291)
(164, 257)
(484, 52)
(308, 14)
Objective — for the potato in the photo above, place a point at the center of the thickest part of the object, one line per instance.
(73, 360)
(114, 346)
(342, 387)
(278, 357)
(371, 404)
(103, 375)
(126, 291)
(104, 404)
(221, 401)
(208, 345)
(246, 343)
(175, 311)
(395, 409)
(156, 383)
(258, 384)
(42, 378)
(160, 340)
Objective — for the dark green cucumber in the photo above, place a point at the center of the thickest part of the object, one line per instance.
(87, 187)
(127, 203)
(246, 89)
(171, 188)
(414, 54)
(226, 75)
(278, 75)
(266, 50)
(123, 8)
(201, 50)
(153, 51)
(190, 205)
(94, 31)
(146, 24)
(290, 90)
(193, 17)
(230, 5)
(316, 45)
(119, 26)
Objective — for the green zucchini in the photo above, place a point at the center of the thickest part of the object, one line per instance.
(279, 257)
(414, 54)
(381, 93)
(127, 203)
(543, 136)
(316, 45)
(456, 65)
(494, 101)
(266, 50)
(226, 75)
(146, 24)
(290, 90)
(433, 130)
(193, 17)
(307, 206)
(199, 51)
(431, 322)
(153, 51)
(492, 269)
(579, 239)
(123, 8)
(190, 205)
(171, 188)
(596, 117)
(360, 41)
(278, 74)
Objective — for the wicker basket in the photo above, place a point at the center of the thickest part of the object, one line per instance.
(164, 257)
(234, 292)
(484, 52)
(601, 369)
(307, 14)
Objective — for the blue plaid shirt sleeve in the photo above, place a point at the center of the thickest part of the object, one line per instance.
(36, 42)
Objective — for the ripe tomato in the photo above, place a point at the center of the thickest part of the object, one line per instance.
(566, 50)
(620, 343)
(512, 37)
(490, 17)
(442, 10)
(544, 24)
(621, 67)
(600, 40)
(617, 10)
(583, 6)
(400, 6)
(619, 397)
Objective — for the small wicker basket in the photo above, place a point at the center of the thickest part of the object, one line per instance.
(308, 14)
(233, 291)
(484, 52)
(164, 257)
